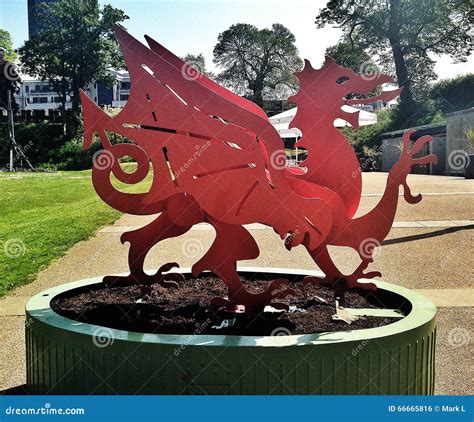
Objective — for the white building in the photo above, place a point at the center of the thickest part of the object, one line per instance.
(39, 96)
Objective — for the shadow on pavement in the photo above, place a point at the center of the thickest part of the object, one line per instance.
(19, 390)
(427, 235)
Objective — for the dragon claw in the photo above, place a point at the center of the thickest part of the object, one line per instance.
(407, 159)
(143, 279)
(243, 301)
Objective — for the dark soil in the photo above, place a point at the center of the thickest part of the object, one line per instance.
(186, 310)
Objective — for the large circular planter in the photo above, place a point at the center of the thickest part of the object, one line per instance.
(70, 357)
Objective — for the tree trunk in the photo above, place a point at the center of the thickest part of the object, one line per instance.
(257, 88)
(75, 110)
(407, 108)
(63, 98)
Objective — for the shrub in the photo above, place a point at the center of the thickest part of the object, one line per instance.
(454, 94)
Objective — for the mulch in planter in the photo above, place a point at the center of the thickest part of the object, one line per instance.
(186, 310)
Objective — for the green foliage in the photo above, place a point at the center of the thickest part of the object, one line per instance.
(6, 43)
(469, 134)
(71, 155)
(454, 94)
(75, 47)
(46, 147)
(351, 56)
(40, 141)
(367, 137)
(258, 63)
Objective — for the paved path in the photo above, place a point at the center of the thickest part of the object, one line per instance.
(429, 249)
(257, 226)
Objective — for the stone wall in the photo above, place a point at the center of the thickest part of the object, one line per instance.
(457, 145)
(392, 144)
(449, 143)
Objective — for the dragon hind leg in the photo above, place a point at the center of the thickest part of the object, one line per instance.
(141, 241)
(234, 243)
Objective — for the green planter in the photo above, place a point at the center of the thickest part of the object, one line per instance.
(70, 357)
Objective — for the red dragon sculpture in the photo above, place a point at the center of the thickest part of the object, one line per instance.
(217, 159)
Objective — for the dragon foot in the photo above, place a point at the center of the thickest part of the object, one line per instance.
(146, 280)
(243, 301)
(341, 283)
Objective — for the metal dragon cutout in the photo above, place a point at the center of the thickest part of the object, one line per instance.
(216, 158)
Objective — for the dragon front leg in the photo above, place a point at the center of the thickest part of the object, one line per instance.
(338, 281)
(399, 172)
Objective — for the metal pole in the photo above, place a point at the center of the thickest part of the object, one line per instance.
(11, 127)
(11, 134)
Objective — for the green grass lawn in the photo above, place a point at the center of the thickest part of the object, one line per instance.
(41, 216)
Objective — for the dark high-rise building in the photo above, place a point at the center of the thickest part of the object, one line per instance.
(34, 19)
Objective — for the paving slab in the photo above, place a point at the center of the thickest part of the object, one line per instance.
(13, 305)
(454, 351)
(449, 298)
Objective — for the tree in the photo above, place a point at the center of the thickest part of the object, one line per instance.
(6, 43)
(402, 34)
(454, 94)
(199, 63)
(9, 78)
(75, 47)
(258, 63)
(349, 55)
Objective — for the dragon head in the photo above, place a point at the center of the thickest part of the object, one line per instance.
(328, 88)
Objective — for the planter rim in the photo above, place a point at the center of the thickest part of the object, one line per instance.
(38, 308)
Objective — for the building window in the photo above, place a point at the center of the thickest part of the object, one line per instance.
(27, 88)
(125, 85)
(124, 97)
(39, 100)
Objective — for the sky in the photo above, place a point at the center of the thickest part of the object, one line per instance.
(192, 26)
